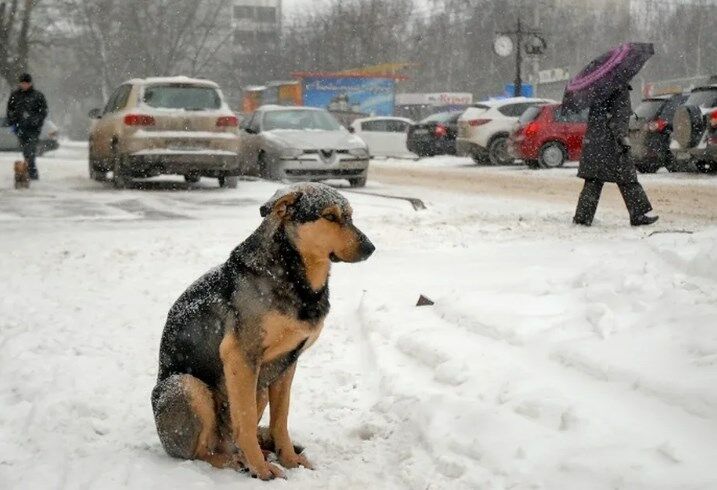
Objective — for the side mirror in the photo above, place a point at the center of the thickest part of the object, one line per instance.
(95, 114)
(351, 129)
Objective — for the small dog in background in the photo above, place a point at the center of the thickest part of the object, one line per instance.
(22, 175)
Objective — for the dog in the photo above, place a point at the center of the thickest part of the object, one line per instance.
(22, 175)
(232, 340)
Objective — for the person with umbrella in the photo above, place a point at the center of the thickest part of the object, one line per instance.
(603, 87)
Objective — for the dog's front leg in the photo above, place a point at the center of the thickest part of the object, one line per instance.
(279, 394)
(241, 377)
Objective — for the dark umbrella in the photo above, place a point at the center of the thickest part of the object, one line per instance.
(602, 76)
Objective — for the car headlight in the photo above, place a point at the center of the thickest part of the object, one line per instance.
(289, 153)
(360, 152)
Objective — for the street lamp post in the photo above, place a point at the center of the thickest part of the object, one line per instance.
(536, 48)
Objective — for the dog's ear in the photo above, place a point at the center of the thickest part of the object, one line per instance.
(280, 206)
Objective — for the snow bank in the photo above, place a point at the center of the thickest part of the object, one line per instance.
(554, 357)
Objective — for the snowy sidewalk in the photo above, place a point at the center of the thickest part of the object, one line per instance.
(555, 357)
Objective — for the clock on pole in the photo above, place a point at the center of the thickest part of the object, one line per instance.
(503, 45)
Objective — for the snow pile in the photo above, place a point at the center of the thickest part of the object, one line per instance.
(554, 357)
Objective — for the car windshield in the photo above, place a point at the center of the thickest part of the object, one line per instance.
(187, 97)
(441, 117)
(648, 109)
(300, 120)
(703, 98)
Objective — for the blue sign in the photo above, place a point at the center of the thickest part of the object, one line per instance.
(371, 96)
(526, 90)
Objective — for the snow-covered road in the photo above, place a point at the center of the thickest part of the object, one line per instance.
(555, 357)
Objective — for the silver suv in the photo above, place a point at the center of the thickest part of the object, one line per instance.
(156, 126)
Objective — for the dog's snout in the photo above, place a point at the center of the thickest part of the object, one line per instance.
(366, 248)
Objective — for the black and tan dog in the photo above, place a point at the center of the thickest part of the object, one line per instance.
(22, 175)
(232, 339)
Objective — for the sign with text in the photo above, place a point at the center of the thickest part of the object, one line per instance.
(366, 95)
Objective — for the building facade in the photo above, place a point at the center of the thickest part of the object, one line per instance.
(256, 25)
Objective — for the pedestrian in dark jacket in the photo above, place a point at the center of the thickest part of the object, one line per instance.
(605, 159)
(26, 112)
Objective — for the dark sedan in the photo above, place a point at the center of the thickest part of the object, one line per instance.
(650, 129)
(434, 135)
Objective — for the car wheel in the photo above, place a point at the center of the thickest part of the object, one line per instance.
(97, 175)
(192, 178)
(358, 182)
(673, 165)
(688, 126)
(552, 155)
(532, 164)
(263, 166)
(121, 177)
(228, 181)
(647, 167)
(706, 167)
(94, 170)
(479, 158)
(498, 151)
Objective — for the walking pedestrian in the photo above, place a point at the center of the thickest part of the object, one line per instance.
(605, 158)
(26, 113)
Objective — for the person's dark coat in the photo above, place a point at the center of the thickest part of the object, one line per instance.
(605, 154)
(27, 110)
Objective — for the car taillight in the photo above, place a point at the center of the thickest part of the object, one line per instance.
(657, 126)
(227, 122)
(138, 120)
(440, 131)
(713, 119)
(532, 129)
(478, 122)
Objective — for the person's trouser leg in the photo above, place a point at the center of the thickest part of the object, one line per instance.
(635, 199)
(28, 144)
(588, 202)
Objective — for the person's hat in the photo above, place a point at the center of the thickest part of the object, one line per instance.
(25, 78)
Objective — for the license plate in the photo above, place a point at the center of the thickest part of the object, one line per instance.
(188, 145)
(420, 131)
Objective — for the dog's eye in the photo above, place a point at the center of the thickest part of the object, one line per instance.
(331, 217)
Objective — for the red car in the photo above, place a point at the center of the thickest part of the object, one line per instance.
(546, 136)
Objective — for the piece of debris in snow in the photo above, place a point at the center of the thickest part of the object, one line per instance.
(424, 301)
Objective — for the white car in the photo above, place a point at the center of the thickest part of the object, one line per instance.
(385, 136)
(483, 129)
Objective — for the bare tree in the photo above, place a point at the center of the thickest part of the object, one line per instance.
(15, 37)
(119, 39)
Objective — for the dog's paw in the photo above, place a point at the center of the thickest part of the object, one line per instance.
(267, 472)
(294, 461)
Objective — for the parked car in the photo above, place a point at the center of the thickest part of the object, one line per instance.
(156, 126)
(650, 130)
(484, 128)
(547, 136)
(693, 136)
(434, 135)
(302, 143)
(49, 136)
(385, 136)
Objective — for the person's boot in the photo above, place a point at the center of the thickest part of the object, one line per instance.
(33, 173)
(581, 221)
(643, 220)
